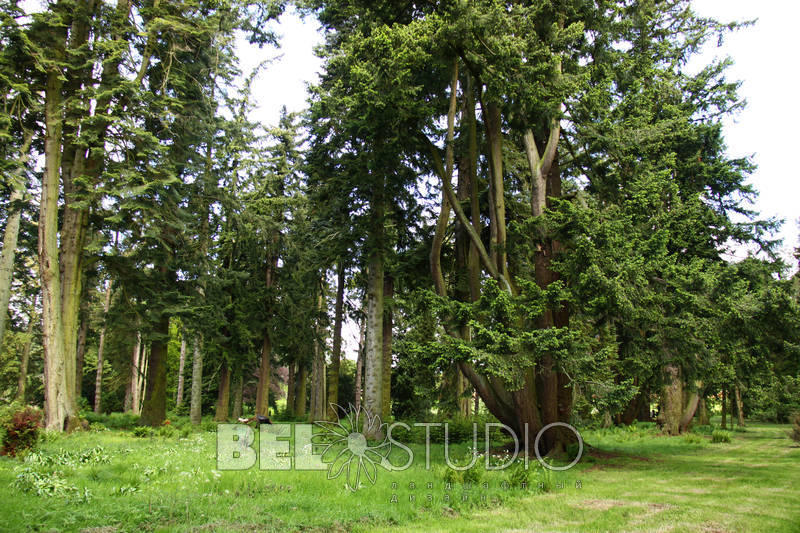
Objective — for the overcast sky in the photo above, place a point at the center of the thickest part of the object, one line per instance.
(765, 59)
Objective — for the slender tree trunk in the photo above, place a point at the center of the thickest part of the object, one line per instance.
(81, 350)
(318, 370)
(131, 403)
(144, 366)
(196, 402)
(703, 412)
(724, 409)
(98, 382)
(739, 407)
(300, 397)
(291, 389)
(181, 366)
(11, 233)
(223, 394)
(388, 294)
(264, 376)
(336, 355)
(154, 408)
(360, 363)
(238, 395)
(23, 364)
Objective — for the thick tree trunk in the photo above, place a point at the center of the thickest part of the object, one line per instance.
(181, 366)
(264, 376)
(672, 400)
(238, 395)
(386, 390)
(154, 408)
(494, 137)
(739, 407)
(196, 401)
(98, 382)
(59, 389)
(300, 396)
(223, 393)
(690, 406)
(373, 356)
(11, 233)
(336, 354)
(22, 381)
(144, 362)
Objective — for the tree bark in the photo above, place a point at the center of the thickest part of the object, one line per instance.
(318, 370)
(22, 381)
(672, 400)
(703, 412)
(300, 397)
(264, 376)
(11, 233)
(98, 382)
(131, 403)
(238, 395)
(373, 357)
(388, 294)
(80, 354)
(739, 406)
(335, 367)
(362, 341)
(724, 409)
(291, 391)
(223, 393)
(196, 401)
(154, 408)
(181, 366)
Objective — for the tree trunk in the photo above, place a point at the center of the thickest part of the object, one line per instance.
(386, 390)
(300, 397)
(98, 382)
(131, 403)
(238, 395)
(360, 363)
(318, 370)
(702, 410)
(196, 401)
(373, 356)
(144, 365)
(724, 409)
(181, 366)
(59, 389)
(336, 354)
(672, 400)
(290, 389)
(23, 364)
(11, 233)
(264, 376)
(739, 407)
(80, 354)
(690, 406)
(223, 393)
(154, 408)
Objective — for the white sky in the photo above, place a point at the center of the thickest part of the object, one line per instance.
(765, 60)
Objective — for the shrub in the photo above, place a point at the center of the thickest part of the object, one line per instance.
(142, 431)
(719, 436)
(22, 431)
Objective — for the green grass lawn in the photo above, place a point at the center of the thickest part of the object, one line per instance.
(632, 480)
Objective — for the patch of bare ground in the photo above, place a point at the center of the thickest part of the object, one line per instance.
(602, 505)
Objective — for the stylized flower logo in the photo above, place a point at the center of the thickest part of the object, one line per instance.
(347, 450)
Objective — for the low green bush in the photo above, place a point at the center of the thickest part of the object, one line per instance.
(719, 436)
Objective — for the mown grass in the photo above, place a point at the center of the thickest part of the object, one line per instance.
(632, 480)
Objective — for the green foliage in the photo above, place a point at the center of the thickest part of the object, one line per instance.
(22, 431)
(142, 432)
(50, 485)
(719, 436)
(795, 433)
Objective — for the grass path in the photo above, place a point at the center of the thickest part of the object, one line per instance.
(662, 484)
